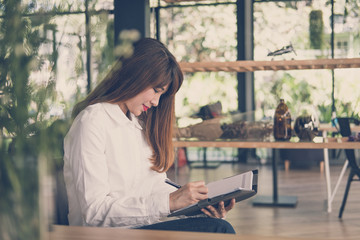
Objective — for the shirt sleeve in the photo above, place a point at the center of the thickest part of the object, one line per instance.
(100, 206)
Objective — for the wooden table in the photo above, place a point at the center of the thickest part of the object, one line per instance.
(275, 199)
(97, 233)
(331, 143)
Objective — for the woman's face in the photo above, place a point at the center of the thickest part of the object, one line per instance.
(143, 101)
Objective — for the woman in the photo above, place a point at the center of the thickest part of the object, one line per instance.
(120, 146)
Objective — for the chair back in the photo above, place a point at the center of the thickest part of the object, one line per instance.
(61, 200)
(345, 131)
(344, 124)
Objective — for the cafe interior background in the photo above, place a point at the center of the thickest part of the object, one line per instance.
(54, 52)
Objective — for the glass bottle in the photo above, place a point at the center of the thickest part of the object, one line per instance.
(282, 122)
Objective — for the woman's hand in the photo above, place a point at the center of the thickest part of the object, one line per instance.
(219, 212)
(188, 194)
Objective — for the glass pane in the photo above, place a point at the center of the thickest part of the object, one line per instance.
(49, 5)
(203, 33)
(67, 41)
(279, 25)
(99, 5)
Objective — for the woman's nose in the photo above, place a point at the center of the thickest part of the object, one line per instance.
(155, 101)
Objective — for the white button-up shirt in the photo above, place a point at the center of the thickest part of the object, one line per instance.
(107, 171)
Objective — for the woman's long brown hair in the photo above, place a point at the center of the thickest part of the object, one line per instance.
(151, 65)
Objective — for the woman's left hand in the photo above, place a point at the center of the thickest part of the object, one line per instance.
(220, 211)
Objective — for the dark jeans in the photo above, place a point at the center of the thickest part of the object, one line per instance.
(199, 224)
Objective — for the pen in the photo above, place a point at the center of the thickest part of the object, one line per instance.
(168, 181)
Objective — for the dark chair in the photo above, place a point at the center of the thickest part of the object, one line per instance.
(345, 131)
(61, 200)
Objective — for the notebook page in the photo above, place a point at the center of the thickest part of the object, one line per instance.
(226, 185)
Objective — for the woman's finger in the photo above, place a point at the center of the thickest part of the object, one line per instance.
(197, 188)
(221, 209)
(230, 205)
(215, 212)
(205, 211)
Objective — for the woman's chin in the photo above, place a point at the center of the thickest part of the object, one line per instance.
(137, 113)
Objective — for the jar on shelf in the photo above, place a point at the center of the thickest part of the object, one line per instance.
(306, 125)
(282, 122)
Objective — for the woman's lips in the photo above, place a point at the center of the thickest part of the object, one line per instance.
(145, 107)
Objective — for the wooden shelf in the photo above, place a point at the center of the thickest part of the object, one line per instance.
(251, 66)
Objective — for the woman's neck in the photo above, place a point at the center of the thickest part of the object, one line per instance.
(125, 110)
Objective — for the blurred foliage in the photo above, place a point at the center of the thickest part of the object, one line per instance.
(316, 29)
(19, 44)
(24, 105)
(40, 47)
(293, 90)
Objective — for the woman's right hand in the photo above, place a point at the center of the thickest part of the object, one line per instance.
(188, 194)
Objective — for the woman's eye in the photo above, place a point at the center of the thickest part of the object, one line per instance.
(155, 90)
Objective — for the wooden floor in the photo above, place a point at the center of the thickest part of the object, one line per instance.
(309, 219)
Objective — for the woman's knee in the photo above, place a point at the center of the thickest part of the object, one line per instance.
(221, 226)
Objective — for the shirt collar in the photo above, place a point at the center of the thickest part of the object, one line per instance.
(115, 112)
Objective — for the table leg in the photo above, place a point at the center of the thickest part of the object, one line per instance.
(275, 200)
(328, 180)
(330, 193)
(343, 170)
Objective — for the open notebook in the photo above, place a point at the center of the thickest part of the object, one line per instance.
(240, 187)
